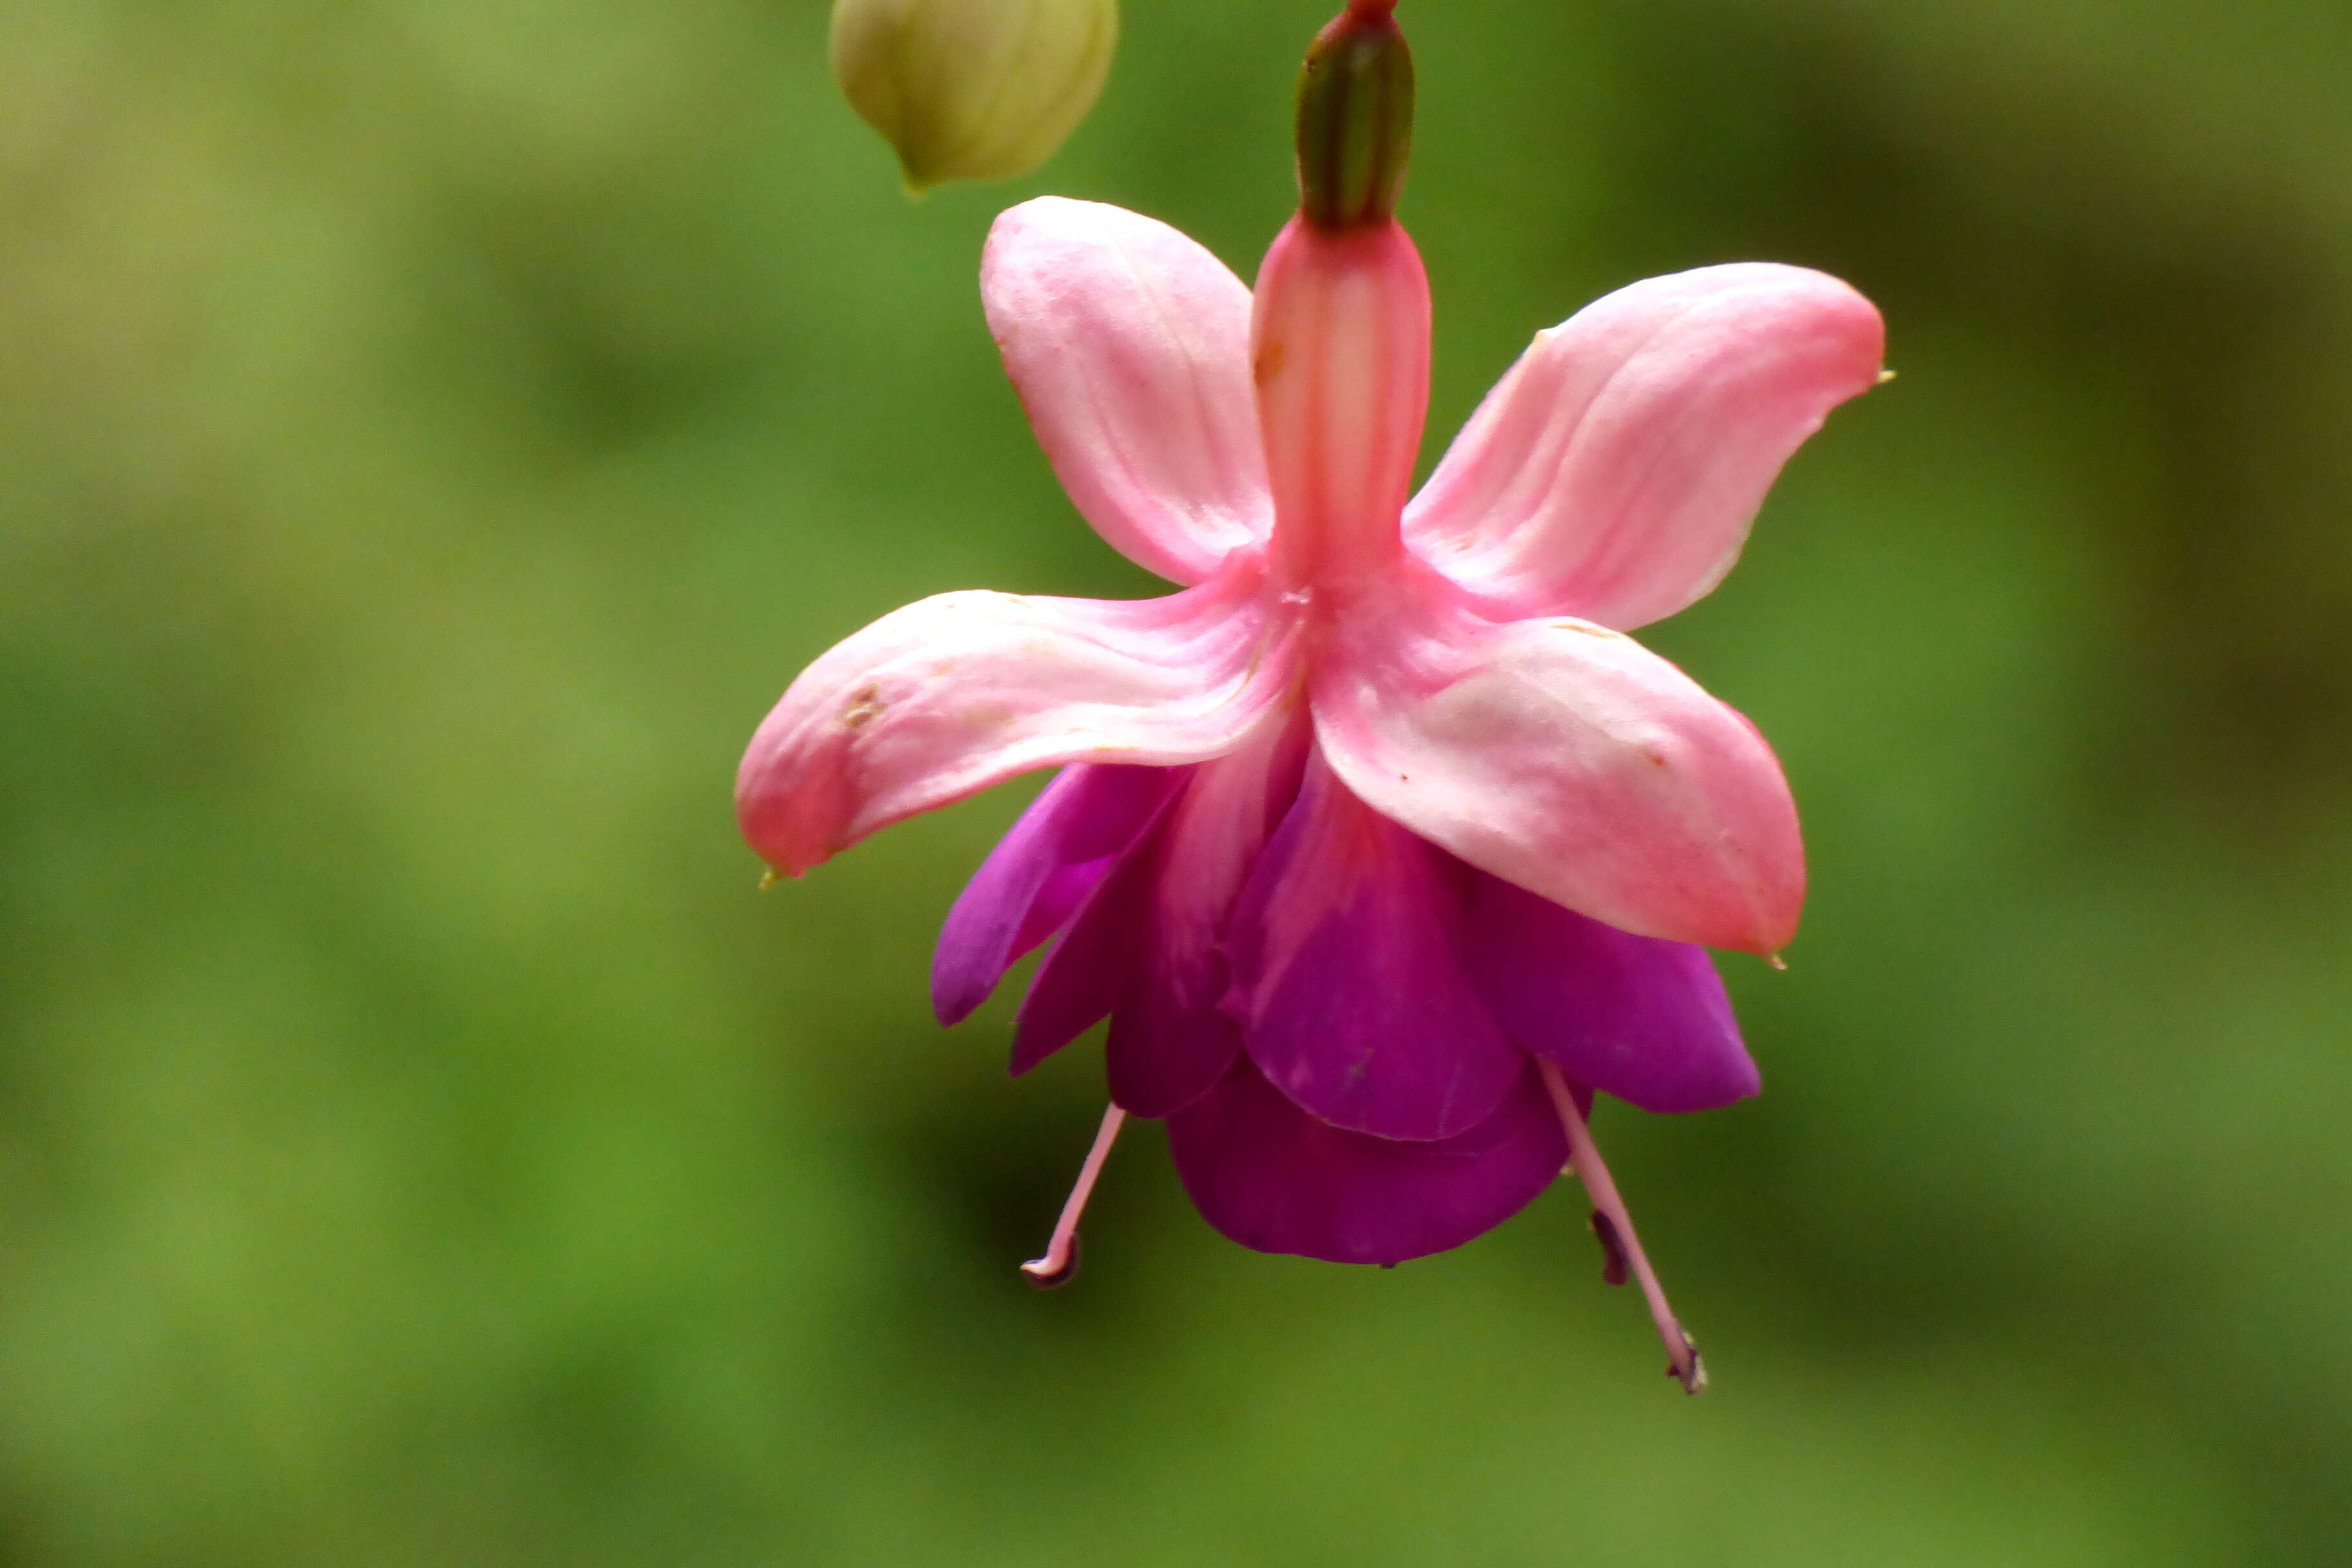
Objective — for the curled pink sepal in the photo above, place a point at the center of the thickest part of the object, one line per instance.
(957, 692)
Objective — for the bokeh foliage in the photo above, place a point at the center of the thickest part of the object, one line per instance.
(432, 430)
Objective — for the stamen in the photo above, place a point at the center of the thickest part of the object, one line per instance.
(1614, 1225)
(1060, 1264)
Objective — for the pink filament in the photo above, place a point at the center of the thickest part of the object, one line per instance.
(1585, 1158)
(1056, 1265)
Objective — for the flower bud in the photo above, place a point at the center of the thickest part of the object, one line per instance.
(1355, 119)
(973, 90)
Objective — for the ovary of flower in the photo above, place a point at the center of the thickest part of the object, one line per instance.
(1384, 842)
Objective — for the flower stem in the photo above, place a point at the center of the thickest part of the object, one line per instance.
(1060, 1264)
(1608, 1209)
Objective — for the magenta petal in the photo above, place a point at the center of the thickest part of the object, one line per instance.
(1635, 1017)
(1161, 1057)
(1272, 1177)
(1349, 978)
(1034, 881)
(1086, 972)
(1056, 903)
(1170, 1041)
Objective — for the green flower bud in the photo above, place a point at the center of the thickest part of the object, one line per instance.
(973, 90)
(1355, 119)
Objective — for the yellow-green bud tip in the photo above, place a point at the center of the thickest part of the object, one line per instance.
(972, 89)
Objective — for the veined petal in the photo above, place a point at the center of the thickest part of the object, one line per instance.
(1614, 472)
(957, 692)
(1129, 346)
(1272, 1177)
(1350, 979)
(1634, 1016)
(1038, 874)
(1565, 758)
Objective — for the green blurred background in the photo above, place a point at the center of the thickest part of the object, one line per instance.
(432, 431)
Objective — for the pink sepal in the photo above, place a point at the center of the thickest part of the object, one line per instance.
(955, 693)
(1614, 472)
(1565, 758)
(1129, 346)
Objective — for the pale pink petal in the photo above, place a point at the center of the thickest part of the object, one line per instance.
(1565, 758)
(1614, 472)
(950, 695)
(1129, 346)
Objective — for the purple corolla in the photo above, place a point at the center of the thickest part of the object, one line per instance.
(1380, 846)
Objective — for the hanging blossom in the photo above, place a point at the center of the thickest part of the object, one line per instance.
(1382, 846)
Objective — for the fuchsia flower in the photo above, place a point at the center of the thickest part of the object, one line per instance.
(1380, 845)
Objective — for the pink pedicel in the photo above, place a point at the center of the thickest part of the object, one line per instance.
(1380, 845)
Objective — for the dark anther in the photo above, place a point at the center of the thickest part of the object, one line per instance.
(1059, 1276)
(1613, 1270)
